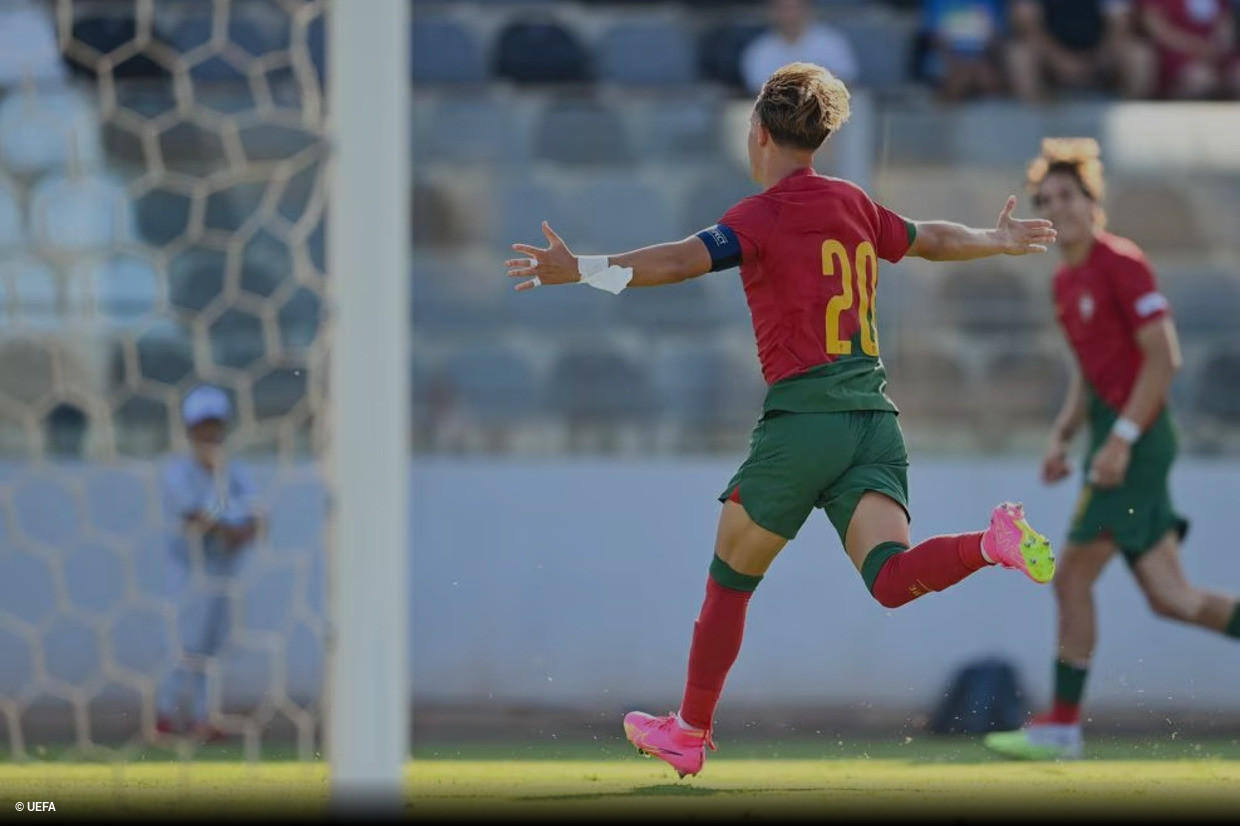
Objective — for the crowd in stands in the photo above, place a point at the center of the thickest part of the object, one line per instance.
(1032, 50)
(1138, 49)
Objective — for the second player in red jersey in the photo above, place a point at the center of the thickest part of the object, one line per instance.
(1125, 353)
(808, 248)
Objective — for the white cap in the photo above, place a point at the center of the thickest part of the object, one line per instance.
(205, 402)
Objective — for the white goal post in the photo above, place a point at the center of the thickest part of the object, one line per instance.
(368, 712)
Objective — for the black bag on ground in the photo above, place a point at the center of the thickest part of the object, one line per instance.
(984, 695)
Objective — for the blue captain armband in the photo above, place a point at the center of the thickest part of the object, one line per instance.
(723, 245)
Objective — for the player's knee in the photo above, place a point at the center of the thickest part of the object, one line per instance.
(1166, 607)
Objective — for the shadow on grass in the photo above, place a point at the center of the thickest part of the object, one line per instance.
(659, 790)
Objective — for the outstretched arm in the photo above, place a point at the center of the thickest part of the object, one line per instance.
(947, 241)
(652, 266)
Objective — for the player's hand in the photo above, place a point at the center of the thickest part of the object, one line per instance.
(1022, 236)
(1055, 464)
(1110, 463)
(555, 264)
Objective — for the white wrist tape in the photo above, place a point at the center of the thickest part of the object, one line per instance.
(1126, 429)
(596, 272)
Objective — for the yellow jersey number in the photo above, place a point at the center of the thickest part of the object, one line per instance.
(857, 291)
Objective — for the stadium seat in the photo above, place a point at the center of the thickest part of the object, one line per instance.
(647, 54)
(882, 47)
(536, 48)
(1205, 303)
(34, 299)
(928, 382)
(237, 340)
(982, 301)
(1024, 386)
(1158, 213)
(125, 287)
(80, 213)
(65, 427)
(519, 205)
(719, 50)
(105, 33)
(582, 133)
(680, 129)
(494, 385)
(704, 388)
(161, 216)
(43, 132)
(299, 319)
(472, 131)
(12, 221)
(435, 223)
(557, 311)
(445, 52)
(449, 297)
(229, 208)
(266, 263)
(196, 278)
(165, 354)
(142, 426)
(595, 387)
(1217, 393)
(276, 392)
(617, 213)
(672, 309)
(711, 197)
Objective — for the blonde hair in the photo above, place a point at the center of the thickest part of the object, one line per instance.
(1080, 158)
(801, 105)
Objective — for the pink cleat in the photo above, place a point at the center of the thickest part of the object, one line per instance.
(1010, 542)
(663, 737)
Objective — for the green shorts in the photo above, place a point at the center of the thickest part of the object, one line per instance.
(1139, 513)
(801, 461)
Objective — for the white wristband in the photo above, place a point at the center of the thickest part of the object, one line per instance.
(1126, 429)
(588, 265)
(595, 271)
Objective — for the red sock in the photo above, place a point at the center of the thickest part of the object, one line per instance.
(717, 634)
(1065, 713)
(933, 565)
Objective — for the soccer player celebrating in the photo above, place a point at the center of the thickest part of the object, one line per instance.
(1126, 351)
(808, 249)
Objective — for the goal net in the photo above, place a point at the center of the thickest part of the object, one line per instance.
(162, 200)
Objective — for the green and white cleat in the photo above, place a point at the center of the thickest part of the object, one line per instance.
(1038, 741)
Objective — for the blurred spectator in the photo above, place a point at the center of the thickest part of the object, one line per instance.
(963, 39)
(28, 49)
(794, 35)
(1196, 44)
(1080, 45)
(214, 520)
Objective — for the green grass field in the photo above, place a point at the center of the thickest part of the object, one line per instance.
(919, 779)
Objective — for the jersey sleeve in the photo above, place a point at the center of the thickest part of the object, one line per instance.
(1137, 293)
(737, 237)
(895, 234)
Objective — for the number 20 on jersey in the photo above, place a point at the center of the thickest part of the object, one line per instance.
(859, 280)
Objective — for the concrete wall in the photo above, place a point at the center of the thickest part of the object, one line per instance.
(577, 582)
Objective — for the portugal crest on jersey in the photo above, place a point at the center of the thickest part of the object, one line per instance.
(1086, 306)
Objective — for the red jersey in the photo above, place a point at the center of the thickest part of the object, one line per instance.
(808, 250)
(1100, 304)
(1200, 17)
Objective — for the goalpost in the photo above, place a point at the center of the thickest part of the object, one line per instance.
(368, 106)
(168, 172)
